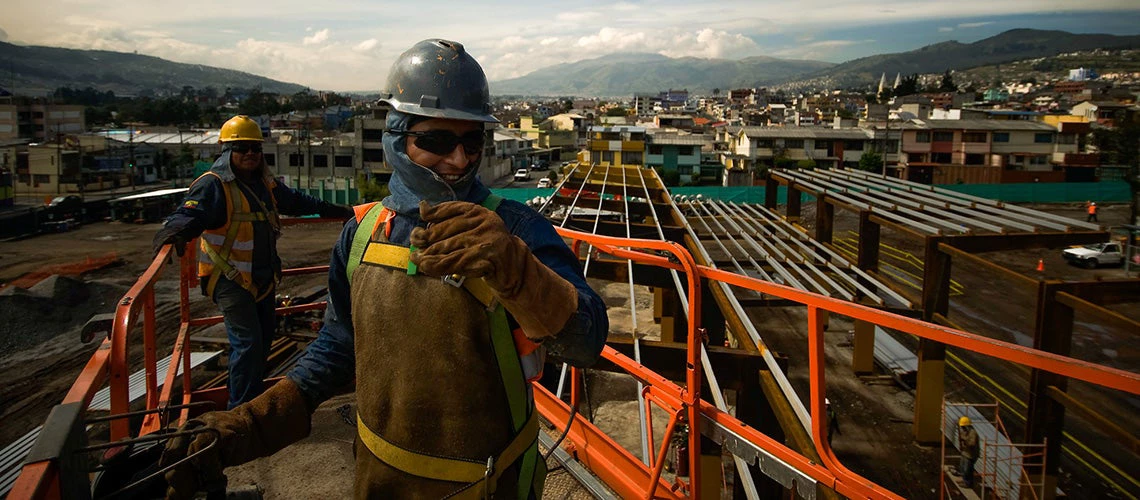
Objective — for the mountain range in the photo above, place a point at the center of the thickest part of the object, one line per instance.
(36, 70)
(625, 74)
(1009, 46)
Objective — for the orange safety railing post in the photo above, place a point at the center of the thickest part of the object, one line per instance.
(659, 464)
(150, 354)
(649, 422)
(575, 386)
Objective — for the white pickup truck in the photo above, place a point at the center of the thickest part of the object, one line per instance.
(1091, 256)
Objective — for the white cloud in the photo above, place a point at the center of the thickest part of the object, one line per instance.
(316, 38)
(578, 17)
(369, 35)
(366, 45)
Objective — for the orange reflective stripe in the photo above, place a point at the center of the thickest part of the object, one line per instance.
(361, 210)
(524, 344)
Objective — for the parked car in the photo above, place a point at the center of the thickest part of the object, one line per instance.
(66, 203)
(544, 182)
(522, 174)
(1091, 256)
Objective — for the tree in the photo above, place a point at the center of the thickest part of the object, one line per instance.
(1121, 146)
(908, 86)
(871, 161)
(370, 190)
(305, 101)
(617, 111)
(947, 84)
(184, 161)
(807, 164)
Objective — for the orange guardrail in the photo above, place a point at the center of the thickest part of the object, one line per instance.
(638, 480)
(616, 466)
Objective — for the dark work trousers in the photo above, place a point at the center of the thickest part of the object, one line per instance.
(250, 327)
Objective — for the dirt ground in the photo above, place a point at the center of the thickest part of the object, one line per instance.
(40, 350)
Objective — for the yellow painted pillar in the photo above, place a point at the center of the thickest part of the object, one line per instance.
(929, 391)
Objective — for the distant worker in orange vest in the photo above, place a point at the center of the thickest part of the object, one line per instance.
(1092, 212)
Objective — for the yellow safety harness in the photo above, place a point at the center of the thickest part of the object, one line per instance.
(480, 476)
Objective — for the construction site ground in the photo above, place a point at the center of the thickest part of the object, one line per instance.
(41, 353)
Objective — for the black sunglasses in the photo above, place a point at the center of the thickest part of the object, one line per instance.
(443, 142)
(246, 148)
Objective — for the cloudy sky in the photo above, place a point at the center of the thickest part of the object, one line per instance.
(349, 44)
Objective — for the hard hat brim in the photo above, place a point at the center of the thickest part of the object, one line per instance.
(454, 114)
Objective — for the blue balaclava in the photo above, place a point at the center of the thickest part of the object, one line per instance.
(225, 170)
(412, 182)
(222, 164)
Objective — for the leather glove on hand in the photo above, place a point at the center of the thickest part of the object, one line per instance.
(259, 428)
(469, 240)
(170, 234)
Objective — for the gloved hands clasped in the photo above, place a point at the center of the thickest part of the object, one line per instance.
(469, 240)
(275, 419)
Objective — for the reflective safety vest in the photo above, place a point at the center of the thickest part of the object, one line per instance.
(1092, 209)
(228, 250)
(519, 359)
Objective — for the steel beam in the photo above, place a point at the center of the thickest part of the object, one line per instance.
(1045, 416)
(931, 355)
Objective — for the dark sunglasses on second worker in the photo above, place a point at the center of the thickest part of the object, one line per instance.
(443, 142)
(244, 148)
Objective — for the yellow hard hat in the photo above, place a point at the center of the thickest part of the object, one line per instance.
(240, 128)
(964, 421)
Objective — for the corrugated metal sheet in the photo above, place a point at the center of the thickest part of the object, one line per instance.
(12, 456)
(894, 356)
(102, 399)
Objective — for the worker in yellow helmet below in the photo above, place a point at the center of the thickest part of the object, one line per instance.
(234, 207)
(444, 300)
(969, 448)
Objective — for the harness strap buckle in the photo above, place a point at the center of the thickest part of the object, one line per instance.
(487, 477)
(232, 273)
(454, 280)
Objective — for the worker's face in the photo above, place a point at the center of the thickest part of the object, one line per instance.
(245, 155)
(446, 146)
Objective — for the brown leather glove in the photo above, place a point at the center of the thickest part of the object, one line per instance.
(275, 419)
(469, 240)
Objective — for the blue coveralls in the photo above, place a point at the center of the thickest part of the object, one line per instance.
(250, 324)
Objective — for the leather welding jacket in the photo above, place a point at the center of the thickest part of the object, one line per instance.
(205, 208)
(415, 364)
(416, 330)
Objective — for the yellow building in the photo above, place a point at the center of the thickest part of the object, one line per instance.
(617, 146)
